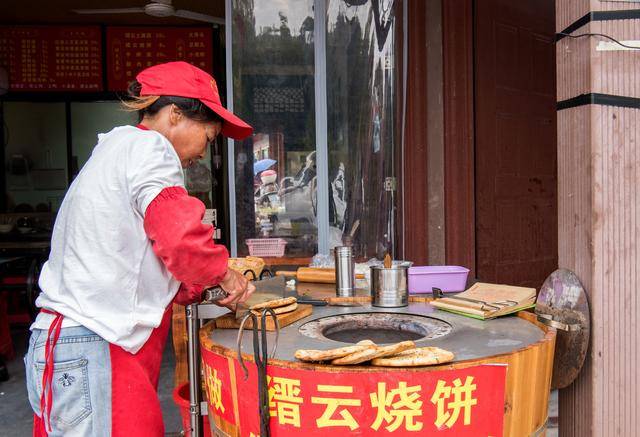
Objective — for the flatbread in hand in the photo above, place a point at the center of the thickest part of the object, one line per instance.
(422, 356)
(372, 353)
(276, 303)
(312, 355)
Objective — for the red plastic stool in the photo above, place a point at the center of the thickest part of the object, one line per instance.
(20, 313)
(6, 345)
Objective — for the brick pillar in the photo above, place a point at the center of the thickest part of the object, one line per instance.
(599, 209)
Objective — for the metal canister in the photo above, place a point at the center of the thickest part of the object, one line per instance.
(389, 286)
(345, 272)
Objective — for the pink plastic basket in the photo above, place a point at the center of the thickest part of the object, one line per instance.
(266, 246)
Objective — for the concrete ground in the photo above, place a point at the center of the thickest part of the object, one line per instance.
(16, 414)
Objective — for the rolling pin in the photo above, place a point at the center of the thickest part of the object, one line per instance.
(314, 274)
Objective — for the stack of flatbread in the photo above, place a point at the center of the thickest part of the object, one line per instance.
(279, 306)
(248, 263)
(403, 354)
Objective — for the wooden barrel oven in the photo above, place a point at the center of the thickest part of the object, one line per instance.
(504, 393)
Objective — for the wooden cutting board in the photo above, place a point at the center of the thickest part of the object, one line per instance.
(229, 321)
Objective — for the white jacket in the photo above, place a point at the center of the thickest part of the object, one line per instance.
(102, 272)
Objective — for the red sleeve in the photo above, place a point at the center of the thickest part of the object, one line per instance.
(188, 294)
(173, 223)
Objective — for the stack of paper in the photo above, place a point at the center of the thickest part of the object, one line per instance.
(487, 301)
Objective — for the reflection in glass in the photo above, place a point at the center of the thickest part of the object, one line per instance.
(362, 81)
(273, 90)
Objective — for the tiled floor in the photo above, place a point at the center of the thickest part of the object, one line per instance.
(16, 415)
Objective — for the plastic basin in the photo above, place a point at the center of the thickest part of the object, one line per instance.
(422, 279)
(181, 398)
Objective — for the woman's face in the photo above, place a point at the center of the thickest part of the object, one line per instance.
(189, 137)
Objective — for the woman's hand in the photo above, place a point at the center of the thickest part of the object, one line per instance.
(238, 287)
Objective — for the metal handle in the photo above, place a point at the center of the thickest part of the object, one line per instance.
(254, 320)
(252, 274)
(314, 302)
(547, 319)
(260, 357)
(266, 272)
(214, 294)
(437, 293)
(193, 361)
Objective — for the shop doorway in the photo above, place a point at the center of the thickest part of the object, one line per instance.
(515, 141)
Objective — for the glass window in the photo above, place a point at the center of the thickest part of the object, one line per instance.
(273, 90)
(36, 173)
(362, 84)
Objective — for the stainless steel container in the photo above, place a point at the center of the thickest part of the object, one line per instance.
(389, 286)
(345, 272)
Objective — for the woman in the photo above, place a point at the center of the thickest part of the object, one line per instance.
(127, 242)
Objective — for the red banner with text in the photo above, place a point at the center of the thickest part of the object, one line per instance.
(132, 49)
(52, 58)
(463, 403)
(217, 385)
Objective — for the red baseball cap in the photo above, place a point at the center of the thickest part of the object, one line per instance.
(182, 79)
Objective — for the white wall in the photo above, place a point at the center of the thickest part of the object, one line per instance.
(90, 119)
(36, 131)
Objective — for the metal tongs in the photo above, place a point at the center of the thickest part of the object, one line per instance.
(260, 358)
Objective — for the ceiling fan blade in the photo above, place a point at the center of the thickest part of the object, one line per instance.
(198, 16)
(109, 11)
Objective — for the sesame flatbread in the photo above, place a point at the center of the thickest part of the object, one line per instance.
(280, 309)
(423, 356)
(276, 303)
(312, 355)
(372, 353)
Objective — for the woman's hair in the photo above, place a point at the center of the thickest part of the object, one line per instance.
(150, 105)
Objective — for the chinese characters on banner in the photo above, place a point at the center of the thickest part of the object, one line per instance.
(217, 385)
(131, 49)
(466, 402)
(52, 58)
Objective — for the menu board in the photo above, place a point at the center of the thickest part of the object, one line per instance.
(49, 58)
(132, 49)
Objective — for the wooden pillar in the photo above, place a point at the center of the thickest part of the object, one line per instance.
(435, 135)
(415, 176)
(459, 166)
(423, 163)
(599, 209)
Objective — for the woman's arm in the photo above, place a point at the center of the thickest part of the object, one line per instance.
(173, 223)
